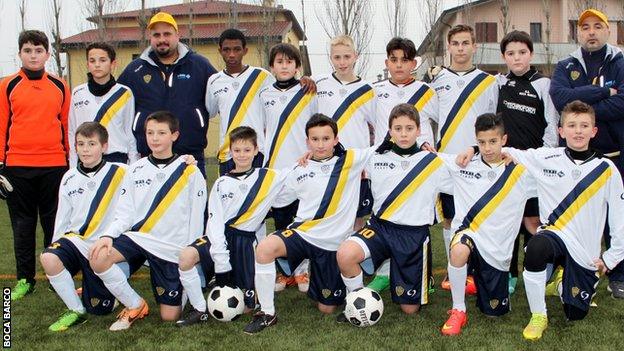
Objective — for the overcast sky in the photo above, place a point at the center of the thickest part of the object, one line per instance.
(38, 16)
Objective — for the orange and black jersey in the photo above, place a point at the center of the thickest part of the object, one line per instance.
(33, 120)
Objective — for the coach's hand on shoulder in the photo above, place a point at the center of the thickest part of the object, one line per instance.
(103, 243)
(224, 279)
(308, 84)
(190, 159)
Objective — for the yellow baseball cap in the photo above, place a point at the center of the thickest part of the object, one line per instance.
(595, 13)
(162, 17)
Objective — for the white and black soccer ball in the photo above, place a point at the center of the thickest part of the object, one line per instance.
(225, 303)
(364, 307)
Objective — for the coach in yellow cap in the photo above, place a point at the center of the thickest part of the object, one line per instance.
(170, 76)
(594, 74)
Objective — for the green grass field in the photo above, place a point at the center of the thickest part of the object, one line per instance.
(301, 326)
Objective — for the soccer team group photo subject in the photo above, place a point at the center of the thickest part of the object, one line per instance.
(521, 172)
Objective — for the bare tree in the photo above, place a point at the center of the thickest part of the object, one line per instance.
(191, 33)
(582, 5)
(97, 10)
(22, 11)
(429, 14)
(352, 18)
(233, 16)
(142, 21)
(55, 29)
(396, 11)
(505, 16)
(547, 8)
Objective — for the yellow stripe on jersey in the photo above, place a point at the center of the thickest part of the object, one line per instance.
(288, 124)
(337, 195)
(463, 111)
(105, 202)
(491, 206)
(173, 193)
(240, 114)
(409, 190)
(353, 107)
(260, 197)
(112, 111)
(422, 102)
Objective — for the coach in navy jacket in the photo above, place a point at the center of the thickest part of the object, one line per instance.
(594, 74)
(178, 86)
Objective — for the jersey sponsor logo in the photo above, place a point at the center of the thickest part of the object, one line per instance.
(469, 174)
(221, 91)
(552, 156)
(227, 196)
(383, 96)
(527, 93)
(519, 107)
(269, 103)
(324, 93)
(183, 76)
(75, 192)
(384, 165)
(81, 103)
(139, 183)
(302, 178)
(553, 173)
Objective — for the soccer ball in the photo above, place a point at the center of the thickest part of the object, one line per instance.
(225, 303)
(364, 307)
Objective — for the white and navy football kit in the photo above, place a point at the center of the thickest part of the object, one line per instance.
(575, 199)
(327, 192)
(286, 114)
(462, 97)
(236, 99)
(237, 206)
(115, 111)
(489, 205)
(86, 202)
(352, 106)
(414, 93)
(160, 212)
(403, 188)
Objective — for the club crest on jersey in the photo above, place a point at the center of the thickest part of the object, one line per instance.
(401, 93)
(399, 290)
(283, 99)
(494, 303)
(94, 301)
(405, 164)
(243, 187)
(576, 174)
(460, 83)
(147, 78)
(160, 177)
(575, 75)
(160, 290)
(235, 85)
(575, 291)
(91, 185)
(342, 92)
(325, 168)
(326, 293)
(491, 175)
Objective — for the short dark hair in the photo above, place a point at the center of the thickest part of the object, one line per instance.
(489, 121)
(243, 133)
(408, 47)
(89, 129)
(164, 117)
(232, 34)
(407, 110)
(320, 120)
(577, 107)
(288, 50)
(516, 36)
(35, 37)
(459, 29)
(102, 46)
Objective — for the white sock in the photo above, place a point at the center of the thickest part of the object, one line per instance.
(384, 269)
(457, 278)
(446, 233)
(302, 268)
(192, 286)
(115, 281)
(535, 287)
(63, 284)
(353, 283)
(265, 286)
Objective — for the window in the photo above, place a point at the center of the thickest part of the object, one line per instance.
(536, 32)
(620, 33)
(486, 32)
(572, 31)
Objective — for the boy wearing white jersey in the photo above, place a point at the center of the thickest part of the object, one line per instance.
(405, 182)
(160, 212)
(327, 189)
(402, 88)
(464, 92)
(489, 204)
(578, 189)
(107, 102)
(287, 109)
(237, 206)
(350, 102)
(87, 197)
